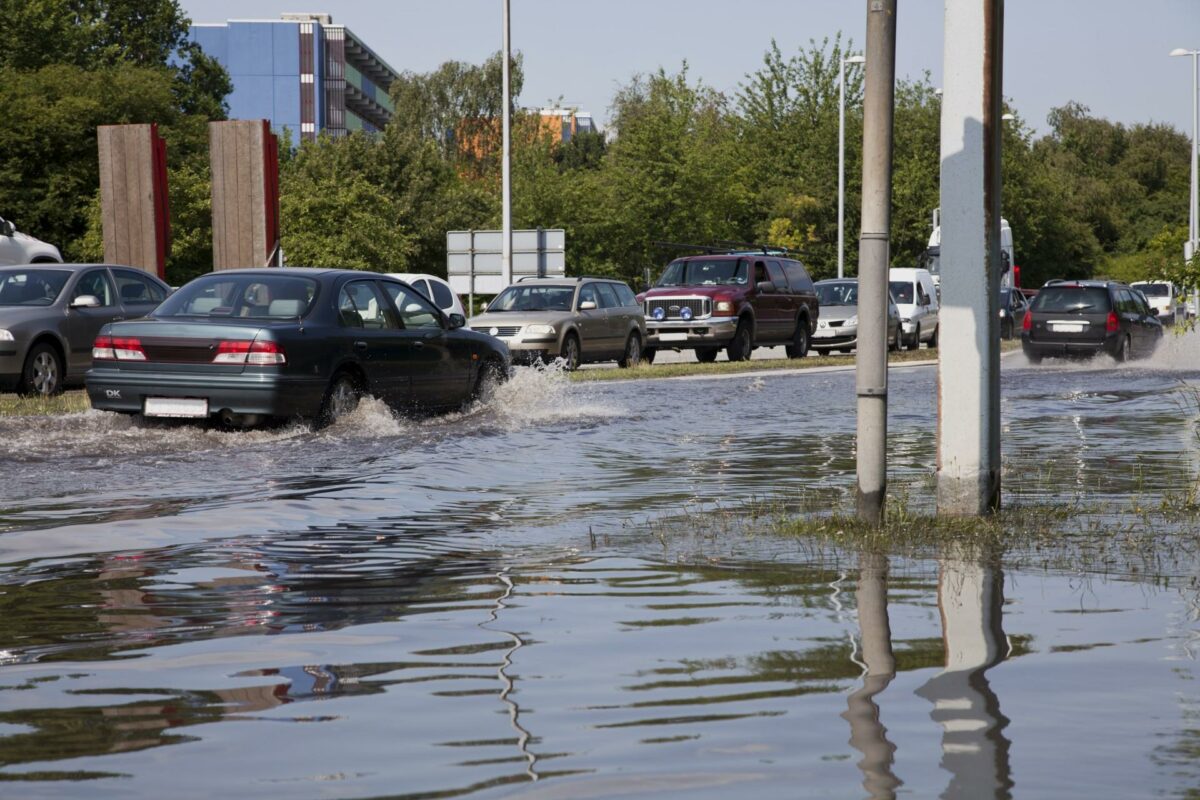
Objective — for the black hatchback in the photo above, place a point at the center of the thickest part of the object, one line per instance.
(246, 345)
(1084, 318)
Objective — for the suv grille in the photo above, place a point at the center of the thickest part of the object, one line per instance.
(671, 306)
(501, 330)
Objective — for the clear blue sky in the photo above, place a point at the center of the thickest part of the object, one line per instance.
(1110, 55)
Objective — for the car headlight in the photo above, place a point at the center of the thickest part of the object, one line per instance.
(851, 322)
(724, 305)
(543, 329)
(6, 336)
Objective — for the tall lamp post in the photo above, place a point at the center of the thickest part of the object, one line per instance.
(1193, 242)
(857, 59)
(506, 162)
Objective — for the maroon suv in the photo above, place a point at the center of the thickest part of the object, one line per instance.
(737, 302)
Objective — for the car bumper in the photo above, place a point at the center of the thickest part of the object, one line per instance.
(1071, 349)
(707, 332)
(263, 393)
(830, 338)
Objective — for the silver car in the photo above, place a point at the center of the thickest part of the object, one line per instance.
(837, 329)
(575, 319)
(50, 315)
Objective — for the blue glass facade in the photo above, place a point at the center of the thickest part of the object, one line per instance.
(303, 74)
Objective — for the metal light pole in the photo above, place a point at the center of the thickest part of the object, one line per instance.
(506, 163)
(842, 161)
(870, 364)
(1193, 242)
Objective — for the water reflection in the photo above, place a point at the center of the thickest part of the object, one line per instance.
(974, 748)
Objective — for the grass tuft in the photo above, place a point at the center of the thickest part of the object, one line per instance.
(15, 405)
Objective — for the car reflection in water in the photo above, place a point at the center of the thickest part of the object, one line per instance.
(975, 750)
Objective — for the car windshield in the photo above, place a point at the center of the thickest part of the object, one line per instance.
(31, 287)
(902, 291)
(252, 296)
(705, 272)
(533, 298)
(837, 294)
(1153, 289)
(1072, 300)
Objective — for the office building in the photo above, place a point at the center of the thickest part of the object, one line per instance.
(302, 72)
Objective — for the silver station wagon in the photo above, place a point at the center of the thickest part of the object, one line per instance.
(575, 319)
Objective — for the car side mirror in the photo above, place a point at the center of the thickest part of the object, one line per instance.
(766, 287)
(586, 305)
(456, 321)
(86, 301)
(7, 228)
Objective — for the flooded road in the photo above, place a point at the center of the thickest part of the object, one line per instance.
(528, 600)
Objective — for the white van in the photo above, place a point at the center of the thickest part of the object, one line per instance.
(1164, 299)
(916, 298)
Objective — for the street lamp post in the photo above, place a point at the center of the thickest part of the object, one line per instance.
(842, 160)
(1193, 242)
(506, 162)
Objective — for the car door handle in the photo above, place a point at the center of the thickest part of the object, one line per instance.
(117, 319)
(360, 345)
(418, 345)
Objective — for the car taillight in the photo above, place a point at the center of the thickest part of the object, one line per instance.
(102, 349)
(117, 348)
(1027, 325)
(257, 353)
(1112, 324)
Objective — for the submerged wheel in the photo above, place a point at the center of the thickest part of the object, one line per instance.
(43, 372)
(341, 398)
(799, 346)
(1123, 352)
(491, 374)
(706, 355)
(742, 345)
(633, 352)
(570, 353)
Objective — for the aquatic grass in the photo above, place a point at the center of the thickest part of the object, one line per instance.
(15, 405)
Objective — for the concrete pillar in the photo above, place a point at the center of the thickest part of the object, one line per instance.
(134, 213)
(244, 156)
(969, 342)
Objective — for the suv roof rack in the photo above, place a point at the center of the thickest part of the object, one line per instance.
(566, 278)
(725, 247)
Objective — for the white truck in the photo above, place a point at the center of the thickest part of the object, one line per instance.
(932, 258)
(21, 248)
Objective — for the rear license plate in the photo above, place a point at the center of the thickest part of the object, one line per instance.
(1067, 328)
(175, 407)
(672, 337)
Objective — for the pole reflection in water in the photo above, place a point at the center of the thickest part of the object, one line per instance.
(974, 748)
(867, 733)
(514, 710)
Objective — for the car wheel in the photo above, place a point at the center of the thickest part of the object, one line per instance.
(915, 342)
(742, 345)
(570, 353)
(341, 398)
(799, 346)
(648, 354)
(1034, 358)
(894, 342)
(933, 340)
(706, 355)
(491, 375)
(1123, 351)
(43, 373)
(1006, 330)
(633, 352)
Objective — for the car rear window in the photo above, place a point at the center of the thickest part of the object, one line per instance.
(1072, 300)
(1153, 289)
(441, 295)
(247, 296)
(31, 287)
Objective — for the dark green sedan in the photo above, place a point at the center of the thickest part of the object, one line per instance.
(247, 346)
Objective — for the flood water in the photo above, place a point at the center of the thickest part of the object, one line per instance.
(530, 600)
